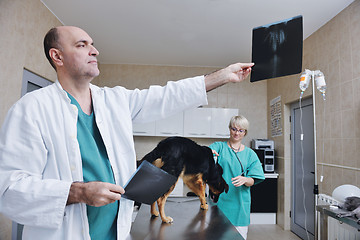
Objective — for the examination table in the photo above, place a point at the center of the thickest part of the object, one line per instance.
(190, 222)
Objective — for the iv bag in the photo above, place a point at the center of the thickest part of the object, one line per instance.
(305, 80)
(320, 82)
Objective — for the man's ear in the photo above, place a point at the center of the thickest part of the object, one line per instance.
(55, 55)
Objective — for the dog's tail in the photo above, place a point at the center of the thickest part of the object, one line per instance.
(150, 157)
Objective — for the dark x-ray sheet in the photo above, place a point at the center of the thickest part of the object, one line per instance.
(277, 49)
(148, 183)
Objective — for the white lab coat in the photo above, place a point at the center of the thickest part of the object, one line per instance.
(40, 155)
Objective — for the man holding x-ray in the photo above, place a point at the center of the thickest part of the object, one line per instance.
(67, 149)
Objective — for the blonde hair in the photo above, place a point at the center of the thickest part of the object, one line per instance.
(239, 122)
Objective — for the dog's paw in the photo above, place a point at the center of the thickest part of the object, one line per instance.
(167, 220)
(204, 206)
(155, 214)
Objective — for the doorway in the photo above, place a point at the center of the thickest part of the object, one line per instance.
(303, 169)
(30, 82)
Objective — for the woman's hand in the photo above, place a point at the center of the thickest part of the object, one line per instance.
(215, 153)
(240, 180)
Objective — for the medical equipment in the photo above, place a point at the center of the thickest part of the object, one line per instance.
(341, 192)
(320, 82)
(305, 80)
(262, 144)
(317, 76)
(264, 148)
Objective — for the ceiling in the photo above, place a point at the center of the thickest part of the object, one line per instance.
(207, 33)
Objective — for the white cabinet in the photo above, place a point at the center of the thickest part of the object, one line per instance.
(220, 118)
(197, 122)
(144, 129)
(171, 126)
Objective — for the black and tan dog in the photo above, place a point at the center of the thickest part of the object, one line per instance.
(195, 164)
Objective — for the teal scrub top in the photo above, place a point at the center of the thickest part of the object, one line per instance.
(236, 203)
(96, 167)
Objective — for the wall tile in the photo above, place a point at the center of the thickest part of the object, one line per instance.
(333, 99)
(336, 150)
(346, 99)
(337, 180)
(326, 185)
(332, 74)
(346, 65)
(355, 62)
(336, 123)
(348, 124)
(348, 176)
(350, 152)
(355, 24)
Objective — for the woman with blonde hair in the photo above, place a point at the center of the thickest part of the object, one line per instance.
(242, 169)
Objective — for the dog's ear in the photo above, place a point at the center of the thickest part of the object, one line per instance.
(220, 169)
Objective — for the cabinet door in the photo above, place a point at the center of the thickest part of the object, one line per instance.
(265, 190)
(220, 118)
(171, 126)
(197, 122)
(144, 129)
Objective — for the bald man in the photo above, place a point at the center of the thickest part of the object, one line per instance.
(67, 149)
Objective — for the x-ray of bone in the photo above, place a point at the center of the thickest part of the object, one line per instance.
(277, 49)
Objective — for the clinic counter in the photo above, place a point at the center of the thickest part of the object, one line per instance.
(190, 222)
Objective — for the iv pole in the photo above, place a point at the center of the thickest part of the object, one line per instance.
(317, 78)
(316, 187)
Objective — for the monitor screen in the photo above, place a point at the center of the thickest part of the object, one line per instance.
(277, 49)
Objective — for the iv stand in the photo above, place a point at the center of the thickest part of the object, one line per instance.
(320, 81)
(316, 187)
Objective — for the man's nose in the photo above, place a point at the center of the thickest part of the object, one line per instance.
(94, 51)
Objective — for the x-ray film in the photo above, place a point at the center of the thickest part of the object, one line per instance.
(148, 183)
(277, 49)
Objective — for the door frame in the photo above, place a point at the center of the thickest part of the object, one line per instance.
(298, 230)
(30, 82)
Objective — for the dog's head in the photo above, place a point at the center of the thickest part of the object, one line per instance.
(217, 184)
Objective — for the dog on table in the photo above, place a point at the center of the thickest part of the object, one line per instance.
(195, 164)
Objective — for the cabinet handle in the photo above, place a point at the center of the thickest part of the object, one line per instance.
(197, 134)
(139, 132)
(169, 133)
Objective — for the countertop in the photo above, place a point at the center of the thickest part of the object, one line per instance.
(331, 212)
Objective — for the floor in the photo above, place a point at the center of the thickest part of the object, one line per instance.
(269, 232)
